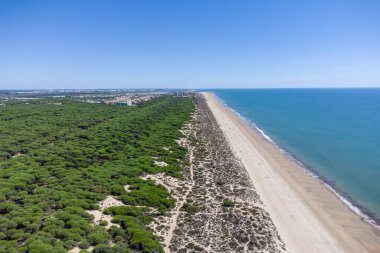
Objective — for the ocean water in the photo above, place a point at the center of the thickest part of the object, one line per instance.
(335, 133)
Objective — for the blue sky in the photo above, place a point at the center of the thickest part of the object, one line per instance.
(189, 44)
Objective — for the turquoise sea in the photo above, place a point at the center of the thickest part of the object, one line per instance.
(334, 133)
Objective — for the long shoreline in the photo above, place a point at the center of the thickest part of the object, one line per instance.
(309, 216)
(367, 215)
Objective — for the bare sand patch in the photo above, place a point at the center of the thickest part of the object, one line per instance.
(161, 164)
(127, 188)
(18, 154)
(77, 249)
(99, 214)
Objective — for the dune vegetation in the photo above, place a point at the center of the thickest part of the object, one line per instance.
(58, 160)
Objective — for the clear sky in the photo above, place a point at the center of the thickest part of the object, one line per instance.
(189, 43)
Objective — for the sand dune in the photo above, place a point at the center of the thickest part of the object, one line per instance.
(309, 217)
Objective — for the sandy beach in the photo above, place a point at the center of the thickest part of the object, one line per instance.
(309, 217)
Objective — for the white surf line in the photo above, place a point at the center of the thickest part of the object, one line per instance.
(173, 222)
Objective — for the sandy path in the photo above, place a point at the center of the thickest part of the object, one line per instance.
(309, 217)
(173, 220)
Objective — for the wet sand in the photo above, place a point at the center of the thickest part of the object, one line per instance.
(309, 217)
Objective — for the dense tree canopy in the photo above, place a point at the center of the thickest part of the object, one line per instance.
(59, 160)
